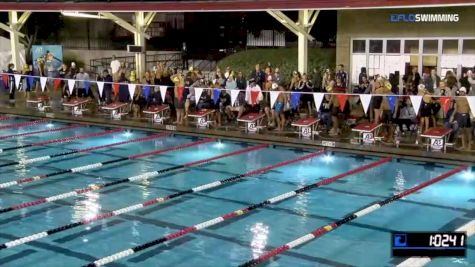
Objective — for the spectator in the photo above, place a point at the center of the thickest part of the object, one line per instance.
(276, 76)
(306, 87)
(294, 81)
(451, 81)
(443, 90)
(339, 86)
(269, 79)
(407, 116)
(471, 81)
(63, 71)
(179, 96)
(462, 116)
(80, 78)
(411, 81)
(342, 75)
(223, 107)
(363, 87)
(317, 80)
(327, 78)
(115, 68)
(107, 89)
(24, 81)
(11, 82)
(253, 96)
(259, 76)
(426, 108)
(394, 81)
(362, 75)
(432, 81)
(326, 111)
(123, 88)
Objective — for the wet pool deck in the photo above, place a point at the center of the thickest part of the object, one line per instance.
(287, 138)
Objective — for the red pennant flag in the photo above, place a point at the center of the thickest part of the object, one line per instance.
(57, 84)
(342, 100)
(254, 95)
(179, 91)
(445, 103)
(5, 80)
(115, 88)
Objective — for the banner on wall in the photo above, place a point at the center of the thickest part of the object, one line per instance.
(47, 59)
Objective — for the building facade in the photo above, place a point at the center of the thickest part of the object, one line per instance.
(388, 40)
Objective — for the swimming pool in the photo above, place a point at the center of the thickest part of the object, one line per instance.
(117, 155)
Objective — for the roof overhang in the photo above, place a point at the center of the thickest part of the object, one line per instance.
(223, 5)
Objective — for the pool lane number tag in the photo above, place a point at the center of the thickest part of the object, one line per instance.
(329, 143)
(157, 119)
(116, 115)
(77, 111)
(202, 123)
(251, 127)
(306, 131)
(437, 143)
(368, 138)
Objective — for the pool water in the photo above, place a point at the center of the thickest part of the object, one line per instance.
(443, 206)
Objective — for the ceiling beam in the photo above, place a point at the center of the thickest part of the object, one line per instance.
(121, 22)
(290, 24)
(148, 19)
(8, 29)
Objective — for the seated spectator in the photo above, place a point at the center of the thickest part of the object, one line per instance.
(325, 113)
(407, 116)
(254, 97)
(223, 107)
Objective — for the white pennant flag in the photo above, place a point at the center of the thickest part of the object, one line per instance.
(43, 83)
(318, 98)
(17, 81)
(273, 97)
(416, 102)
(198, 92)
(471, 103)
(234, 95)
(100, 87)
(71, 84)
(131, 87)
(365, 100)
(163, 92)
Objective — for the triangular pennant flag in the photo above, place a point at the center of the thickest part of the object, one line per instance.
(198, 92)
(71, 84)
(365, 100)
(163, 92)
(445, 103)
(294, 99)
(273, 97)
(30, 80)
(392, 99)
(147, 91)
(416, 102)
(318, 98)
(234, 95)
(179, 91)
(43, 83)
(5, 80)
(115, 88)
(471, 103)
(216, 93)
(342, 101)
(17, 81)
(254, 95)
(131, 87)
(87, 86)
(57, 84)
(100, 87)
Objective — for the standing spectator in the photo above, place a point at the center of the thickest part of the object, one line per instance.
(276, 78)
(254, 96)
(115, 68)
(306, 87)
(123, 88)
(471, 83)
(241, 81)
(451, 81)
(317, 80)
(63, 71)
(24, 81)
(81, 77)
(363, 86)
(107, 89)
(363, 74)
(327, 78)
(258, 75)
(11, 82)
(342, 75)
(394, 81)
(462, 116)
(411, 81)
(443, 90)
(433, 81)
(294, 81)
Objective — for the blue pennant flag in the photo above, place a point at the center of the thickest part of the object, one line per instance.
(216, 93)
(147, 91)
(30, 81)
(295, 98)
(87, 85)
(392, 99)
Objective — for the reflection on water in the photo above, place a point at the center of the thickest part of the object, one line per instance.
(86, 208)
(259, 239)
(301, 205)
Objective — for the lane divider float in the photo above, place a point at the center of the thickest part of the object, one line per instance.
(235, 178)
(359, 213)
(98, 165)
(217, 220)
(23, 124)
(62, 140)
(41, 131)
(5, 117)
(469, 228)
(43, 158)
(143, 176)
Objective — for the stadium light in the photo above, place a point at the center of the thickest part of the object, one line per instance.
(81, 15)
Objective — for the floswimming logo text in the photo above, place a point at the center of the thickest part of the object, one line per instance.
(418, 18)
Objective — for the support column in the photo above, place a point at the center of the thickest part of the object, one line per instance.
(139, 39)
(14, 38)
(303, 41)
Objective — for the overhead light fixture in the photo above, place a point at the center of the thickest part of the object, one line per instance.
(77, 14)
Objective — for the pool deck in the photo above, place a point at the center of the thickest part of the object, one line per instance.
(405, 151)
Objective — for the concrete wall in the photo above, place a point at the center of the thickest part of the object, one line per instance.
(376, 23)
